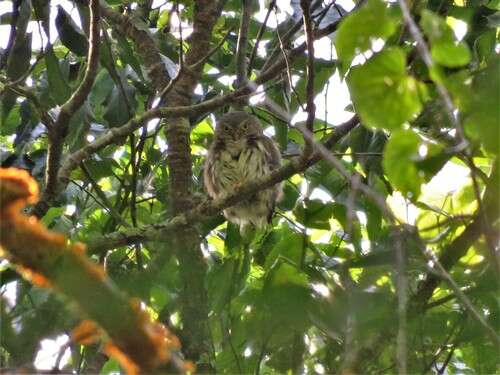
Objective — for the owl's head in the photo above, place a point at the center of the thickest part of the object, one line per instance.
(237, 125)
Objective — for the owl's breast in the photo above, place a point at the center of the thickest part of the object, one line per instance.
(253, 161)
(238, 165)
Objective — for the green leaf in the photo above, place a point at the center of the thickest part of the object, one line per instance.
(322, 74)
(314, 213)
(127, 54)
(290, 196)
(445, 50)
(436, 27)
(163, 19)
(286, 292)
(373, 259)
(219, 282)
(121, 105)
(19, 58)
(432, 163)
(281, 130)
(484, 46)
(483, 121)
(451, 55)
(373, 220)
(42, 13)
(383, 94)
(70, 34)
(110, 367)
(99, 169)
(59, 88)
(399, 156)
(356, 32)
(17, 64)
(290, 246)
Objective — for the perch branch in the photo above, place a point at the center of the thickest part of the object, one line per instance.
(213, 207)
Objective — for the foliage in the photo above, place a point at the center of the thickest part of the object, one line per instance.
(316, 291)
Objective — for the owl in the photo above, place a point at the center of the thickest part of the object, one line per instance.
(240, 153)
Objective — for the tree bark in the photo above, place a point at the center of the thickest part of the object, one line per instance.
(194, 303)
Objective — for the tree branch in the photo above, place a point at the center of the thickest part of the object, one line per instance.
(443, 274)
(241, 47)
(145, 45)
(262, 29)
(73, 160)
(193, 296)
(58, 132)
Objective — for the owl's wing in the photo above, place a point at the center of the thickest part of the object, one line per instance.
(209, 173)
(274, 159)
(272, 153)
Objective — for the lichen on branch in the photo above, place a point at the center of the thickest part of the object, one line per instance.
(48, 260)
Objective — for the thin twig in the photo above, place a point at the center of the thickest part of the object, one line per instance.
(193, 67)
(288, 70)
(402, 293)
(460, 295)
(311, 107)
(262, 29)
(106, 203)
(204, 59)
(334, 162)
(287, 36)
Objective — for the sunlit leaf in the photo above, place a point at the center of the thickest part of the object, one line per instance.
(445, 50)
(400, 155)
(482, 122)
(357, 31)
(382, 92)
(71, 35)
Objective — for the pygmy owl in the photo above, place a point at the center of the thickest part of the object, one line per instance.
(239, 153)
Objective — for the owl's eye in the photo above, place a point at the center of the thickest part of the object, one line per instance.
(245, 126)
(227, 128)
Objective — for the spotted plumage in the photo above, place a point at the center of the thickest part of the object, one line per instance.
(241, 153)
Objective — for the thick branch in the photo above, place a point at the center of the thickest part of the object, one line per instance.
(46, 259)
(192, 267)
(241, 47)
(145, 45)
